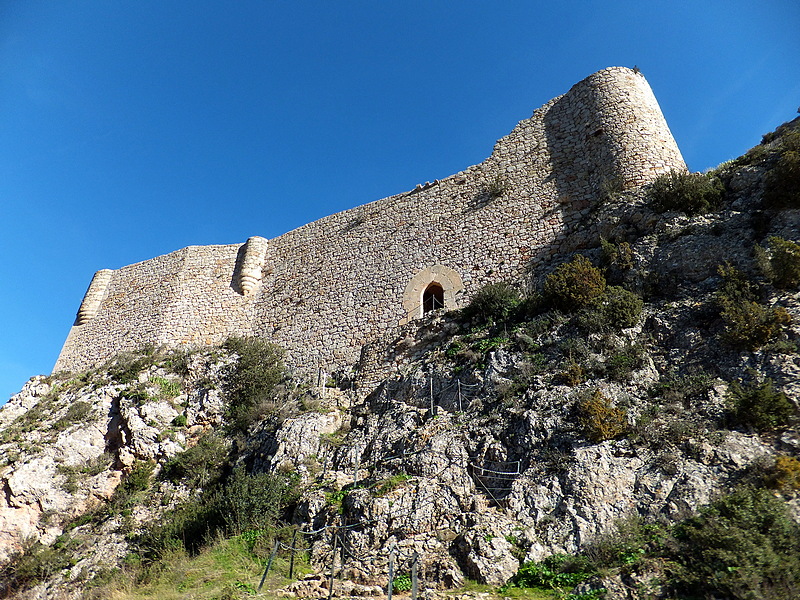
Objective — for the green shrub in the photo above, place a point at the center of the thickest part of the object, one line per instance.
(402, 583)
(131, 488)
(200, 465)
(616, 309)
(390, 484)
(187, 527)
(556, 571)
(167, 388)
(599, 418)
(494, 302)
(76, 413)
(251, 383)
(782, 186)
(618, 256)
(620, 365)
(250, 501)
(780, 262)
(735, 287)
(759, 405)
(631, 541)
(242, 503)
(574, 285)
(488, 344)
(749, 325)
(680, 388)
(744, 546)
(34, 563)
(691, 193)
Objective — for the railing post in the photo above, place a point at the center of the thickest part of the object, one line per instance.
(333, 562)
(269, 564)
(291, 559)
(391, 575)
(414, 583)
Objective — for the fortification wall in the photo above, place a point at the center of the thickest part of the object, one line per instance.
(331, 286)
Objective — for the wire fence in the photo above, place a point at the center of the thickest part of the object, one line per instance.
(494, 478)
(432, 393)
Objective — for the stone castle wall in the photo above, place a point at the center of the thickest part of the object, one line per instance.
(324, 290)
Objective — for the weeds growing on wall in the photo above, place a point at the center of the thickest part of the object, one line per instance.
(497, 187)
(691, 193)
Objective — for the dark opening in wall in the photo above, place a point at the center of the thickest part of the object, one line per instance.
(432, 298)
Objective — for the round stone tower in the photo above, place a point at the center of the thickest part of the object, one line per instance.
(630, 120)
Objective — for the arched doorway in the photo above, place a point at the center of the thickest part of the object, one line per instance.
(433, 287)
(432, 298)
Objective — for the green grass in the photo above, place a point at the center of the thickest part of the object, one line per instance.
(225, 569)
(511, 592)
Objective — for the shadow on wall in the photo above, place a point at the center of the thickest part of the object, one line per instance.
(582, 152)
(236, 277)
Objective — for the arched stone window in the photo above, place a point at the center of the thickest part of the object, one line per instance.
(432, 298)
(433, 287)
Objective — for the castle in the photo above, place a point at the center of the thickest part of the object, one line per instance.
(326, 289)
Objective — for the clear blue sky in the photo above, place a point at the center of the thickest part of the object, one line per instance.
(130, 129)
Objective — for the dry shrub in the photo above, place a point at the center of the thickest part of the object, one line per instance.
(786, 473)
(599, 418)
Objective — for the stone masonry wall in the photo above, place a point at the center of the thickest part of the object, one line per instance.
(331, 286)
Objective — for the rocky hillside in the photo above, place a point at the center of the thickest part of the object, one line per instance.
(623, 424)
